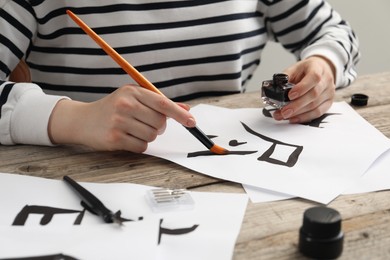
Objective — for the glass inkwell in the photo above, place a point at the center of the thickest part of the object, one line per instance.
(274, 92)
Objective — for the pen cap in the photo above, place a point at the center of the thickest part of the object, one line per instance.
(321, 236)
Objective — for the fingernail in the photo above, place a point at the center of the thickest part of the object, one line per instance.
(277, 116)
(287, 113)
(294, 120)
(293, 95)
(161, 131)
(191, 122)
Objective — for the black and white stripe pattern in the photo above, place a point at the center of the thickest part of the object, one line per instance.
(186, 48)
(5, 89)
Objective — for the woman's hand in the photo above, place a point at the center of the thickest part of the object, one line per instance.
(313, 93)
(127, 119)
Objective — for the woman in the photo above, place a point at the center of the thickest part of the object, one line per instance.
(186, 48)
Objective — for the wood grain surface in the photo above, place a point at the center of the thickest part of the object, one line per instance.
(269, 230)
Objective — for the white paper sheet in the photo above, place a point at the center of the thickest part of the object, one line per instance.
(333, 155)
(257, 195)
(135, 240)
(214, 222)
(376, 178)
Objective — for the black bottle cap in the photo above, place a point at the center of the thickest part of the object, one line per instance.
(280, 79)
(359, 100)
(320, 236)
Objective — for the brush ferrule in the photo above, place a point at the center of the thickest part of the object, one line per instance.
(202, 137)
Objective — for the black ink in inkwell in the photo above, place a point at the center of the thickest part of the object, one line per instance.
(275, 92)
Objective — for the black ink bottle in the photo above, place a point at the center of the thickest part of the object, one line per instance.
(275, 92)
(321, 236)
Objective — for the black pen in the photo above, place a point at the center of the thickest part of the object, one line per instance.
(93, 204)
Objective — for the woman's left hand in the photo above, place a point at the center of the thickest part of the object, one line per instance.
(313, 93)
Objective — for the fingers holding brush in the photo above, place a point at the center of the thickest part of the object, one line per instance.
(136, 116)
(127, 119)
(177, 111)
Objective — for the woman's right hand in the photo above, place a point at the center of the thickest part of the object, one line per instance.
(127, 119)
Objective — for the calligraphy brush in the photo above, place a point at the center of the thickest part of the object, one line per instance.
(141, 80)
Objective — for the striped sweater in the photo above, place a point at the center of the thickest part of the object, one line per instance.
(186, 48)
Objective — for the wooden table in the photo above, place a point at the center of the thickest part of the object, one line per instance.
(269, 230)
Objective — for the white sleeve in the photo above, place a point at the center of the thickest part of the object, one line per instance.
(25, 113)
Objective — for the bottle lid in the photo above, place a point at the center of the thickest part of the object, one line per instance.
(359, 100)
(280, 79)
(320, 236)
